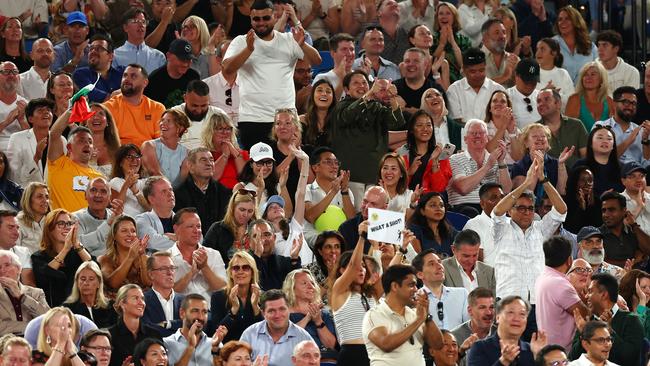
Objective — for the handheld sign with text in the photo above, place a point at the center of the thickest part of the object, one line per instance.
(385, 226)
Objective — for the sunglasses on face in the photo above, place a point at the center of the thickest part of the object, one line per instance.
(244, 267)
(265, 18)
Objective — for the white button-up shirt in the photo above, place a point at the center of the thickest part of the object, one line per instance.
(167, 305)
(465, 103)
(32, 85)
(483, 224)
(519, 256)
(468, 283)
(198, 284)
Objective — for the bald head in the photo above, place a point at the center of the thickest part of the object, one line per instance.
(42, 53)
(375, 197)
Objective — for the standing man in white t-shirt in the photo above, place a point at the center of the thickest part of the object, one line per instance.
(265, 60)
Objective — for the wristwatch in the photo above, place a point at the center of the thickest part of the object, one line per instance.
(545, 180)
(645, 142)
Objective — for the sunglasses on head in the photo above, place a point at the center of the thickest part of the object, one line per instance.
(243, 191)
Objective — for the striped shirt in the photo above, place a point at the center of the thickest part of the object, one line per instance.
(462, 165)
(348, 319)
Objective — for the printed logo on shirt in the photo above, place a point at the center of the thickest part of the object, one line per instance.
(147, 117)
(80, 182)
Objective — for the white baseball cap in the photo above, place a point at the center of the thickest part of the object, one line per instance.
(261, 151)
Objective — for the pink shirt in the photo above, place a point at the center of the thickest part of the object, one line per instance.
(555, 295)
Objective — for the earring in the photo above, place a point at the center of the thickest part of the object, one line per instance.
(48, 340)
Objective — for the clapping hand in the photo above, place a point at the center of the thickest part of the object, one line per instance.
(538, 341)
(509, 353)
(415, 164)
(219, 335)
(295, 248)
(565, 154)
(261, 360)
(250, 40)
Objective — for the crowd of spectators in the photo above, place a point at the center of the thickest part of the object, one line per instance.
(213, 207)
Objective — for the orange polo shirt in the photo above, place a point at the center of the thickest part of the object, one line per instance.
(136, 123)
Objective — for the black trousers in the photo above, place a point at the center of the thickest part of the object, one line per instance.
(251, 133)
(353, 355)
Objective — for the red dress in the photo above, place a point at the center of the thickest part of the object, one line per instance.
(434, 182)
(229, 176)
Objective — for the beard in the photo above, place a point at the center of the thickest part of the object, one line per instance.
(626, 117)
(263, 33)
(188, 323)
(9, 86)
(594, 256)
(196, 116)
(129, 91)
(43, 62)
(498, 47)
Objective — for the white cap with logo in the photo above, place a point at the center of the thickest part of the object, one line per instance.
(261, 151)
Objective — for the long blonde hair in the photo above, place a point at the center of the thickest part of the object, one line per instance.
(121, 296)
(42, 343)
(288, 287)
(217, 120)
(235, 199)
(29, 216)
(100, 300)
(255, 278)
(202, 27)
(604, 83)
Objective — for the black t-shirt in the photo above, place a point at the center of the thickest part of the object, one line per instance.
(23, 64)
(168, 91)
(413, 98)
